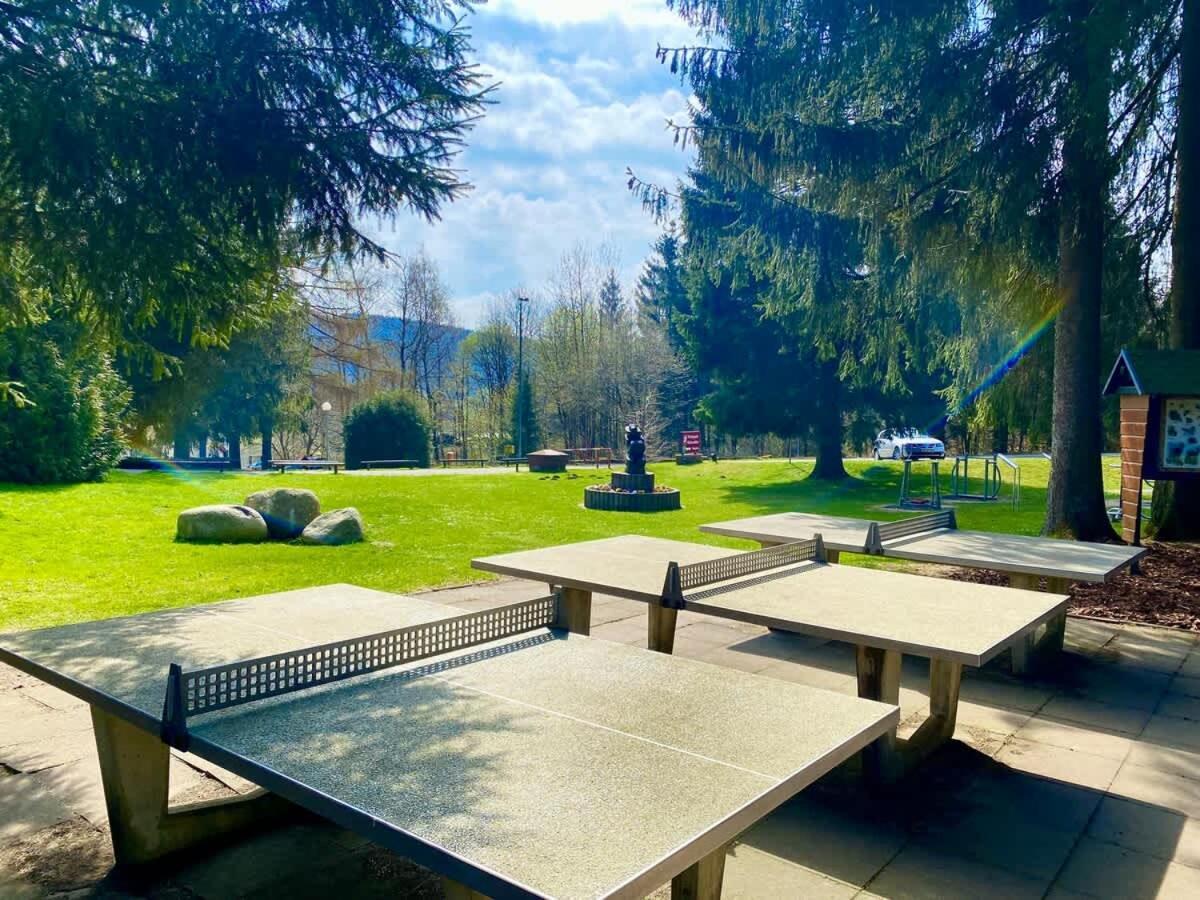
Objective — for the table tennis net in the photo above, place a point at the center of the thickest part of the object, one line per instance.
(738, 566)
(219, 687)
(881, 532)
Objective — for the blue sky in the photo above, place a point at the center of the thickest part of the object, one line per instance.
(581, 97)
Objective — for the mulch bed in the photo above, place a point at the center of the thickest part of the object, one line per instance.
(1165, 593)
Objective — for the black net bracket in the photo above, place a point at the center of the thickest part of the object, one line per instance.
(672, 592)
(174, 722)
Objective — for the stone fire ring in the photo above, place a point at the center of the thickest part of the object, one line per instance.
(597, 497)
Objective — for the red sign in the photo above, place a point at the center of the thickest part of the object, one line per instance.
(691, 441)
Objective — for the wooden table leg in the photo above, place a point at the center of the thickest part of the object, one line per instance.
(660, 634)
(135, 770)
(702, 880)
(879, 679)
(575, 610)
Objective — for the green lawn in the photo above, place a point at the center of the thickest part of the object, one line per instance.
(91, 551)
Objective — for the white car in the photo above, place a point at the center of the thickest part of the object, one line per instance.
(908, 443)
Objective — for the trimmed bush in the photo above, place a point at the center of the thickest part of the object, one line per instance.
(70, 430)
(392, 425)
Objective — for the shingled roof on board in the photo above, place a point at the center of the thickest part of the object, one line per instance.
(1171, 372)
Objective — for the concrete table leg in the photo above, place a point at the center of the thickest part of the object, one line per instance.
(702, 880)
(879, 679)
(945, 678)
(454, 890)
(134, 769)
(660, 634)
(575, 610)
(833, 555)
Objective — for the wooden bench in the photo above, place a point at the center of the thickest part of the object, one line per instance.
(390, 463)
(201, 465)
(511, 461)
(282, 464)
(446, 463)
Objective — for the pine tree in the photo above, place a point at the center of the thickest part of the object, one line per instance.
(611, 300)
(525, 431)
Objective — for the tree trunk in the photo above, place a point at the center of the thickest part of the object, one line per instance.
(1173, 516)
(202, 451)
(829, 425)
(268, 432)
(1075, 502)
(182, 446)
(235, 451)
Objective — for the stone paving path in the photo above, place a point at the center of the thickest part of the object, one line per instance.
(1082, 783)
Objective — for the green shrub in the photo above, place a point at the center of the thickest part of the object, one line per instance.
(69, 427)
(390, 426)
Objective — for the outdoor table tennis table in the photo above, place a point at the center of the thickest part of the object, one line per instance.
(936, 538)
(791, 587)
(497, 748)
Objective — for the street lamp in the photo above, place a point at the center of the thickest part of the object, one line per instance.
(325, 409)
(521, 303)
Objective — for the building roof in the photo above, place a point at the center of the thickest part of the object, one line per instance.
(1155, 372)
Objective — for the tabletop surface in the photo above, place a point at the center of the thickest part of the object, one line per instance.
(955, 620)
(1012, 553)
(572, 767)
(838, 532)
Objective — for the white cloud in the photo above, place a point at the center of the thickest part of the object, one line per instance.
(581, 98)
(643, 14)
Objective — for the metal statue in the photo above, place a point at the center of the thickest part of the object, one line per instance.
(635, 451)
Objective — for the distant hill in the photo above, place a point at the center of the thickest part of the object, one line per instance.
(388, 328)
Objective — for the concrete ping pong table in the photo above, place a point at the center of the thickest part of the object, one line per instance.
(936, 538)
(502, 749)
(792, 587)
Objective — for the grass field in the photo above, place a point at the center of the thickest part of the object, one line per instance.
(90, 551)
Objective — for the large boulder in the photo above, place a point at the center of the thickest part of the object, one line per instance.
(338, 526)
(221, 523)
(287, 510)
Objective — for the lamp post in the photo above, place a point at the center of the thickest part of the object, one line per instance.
(325, 409)
(521, 302)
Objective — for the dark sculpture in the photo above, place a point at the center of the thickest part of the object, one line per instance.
(635, 451)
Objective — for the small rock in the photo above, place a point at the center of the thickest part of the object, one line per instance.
(221, 523)
(338, 526)
(287, 510)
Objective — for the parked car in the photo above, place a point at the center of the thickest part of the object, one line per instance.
(908, 443)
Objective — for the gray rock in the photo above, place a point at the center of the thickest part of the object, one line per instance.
(221, 523)
(287, 510)
(338, 526)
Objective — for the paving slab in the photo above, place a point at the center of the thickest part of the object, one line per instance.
(1154, 786)
(26, 807)
(920, 873)
(1042, 730)
(1094, 714)
(1185, 686)
(1148, 829)
(752, 875)
(1059, 763)
(1107, 870)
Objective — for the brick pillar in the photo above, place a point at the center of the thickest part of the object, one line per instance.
(1135, 410)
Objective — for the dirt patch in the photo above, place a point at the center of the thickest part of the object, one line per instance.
(68, 856)
(1166, 592)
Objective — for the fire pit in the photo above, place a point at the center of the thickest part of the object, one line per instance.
(632, 490)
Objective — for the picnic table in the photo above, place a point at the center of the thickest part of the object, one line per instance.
(502, 749)
(391, 463)
(282, 464)
(446, 463)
